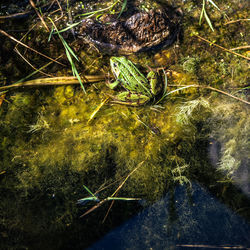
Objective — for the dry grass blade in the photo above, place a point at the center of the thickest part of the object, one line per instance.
(18, 52)
(36, 71)
(210, 246)
(26, 46)
(39, 15)
(211, 88)
(93, 208)
(16, 15)
(241, 47)
(120, 186)
(117, 190)
(112, 196)
(97, 110)
(218, 46)
(236, 21)
(60, 8)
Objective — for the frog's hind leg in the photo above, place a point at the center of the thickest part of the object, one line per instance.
(130, 98)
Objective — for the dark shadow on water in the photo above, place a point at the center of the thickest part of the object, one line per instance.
(200, 219)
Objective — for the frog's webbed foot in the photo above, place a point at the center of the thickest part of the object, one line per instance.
(130, 98)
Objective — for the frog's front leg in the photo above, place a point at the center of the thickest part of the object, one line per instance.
(114, 84)
(130, 98)
(154, 82)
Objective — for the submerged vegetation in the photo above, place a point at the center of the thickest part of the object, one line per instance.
(55, 140)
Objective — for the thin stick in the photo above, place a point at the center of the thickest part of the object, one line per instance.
(26, 46)
(238, 20)
(214, 89)
(218, 46)
(210, 246)
(35, 72)
(26, 34)
(18, 52)
(41, 18)
(21, 14)
(117, 190)
(60, 7)
(16, 15)
(241, 47)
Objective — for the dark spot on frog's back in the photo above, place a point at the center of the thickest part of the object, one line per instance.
(139, 32)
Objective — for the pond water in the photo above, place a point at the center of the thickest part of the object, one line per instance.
(79, 171)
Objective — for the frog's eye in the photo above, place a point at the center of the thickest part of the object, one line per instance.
(115, 64)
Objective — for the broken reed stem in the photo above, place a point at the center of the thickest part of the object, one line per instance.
(220, 47)
(54, 81)
(26, 46)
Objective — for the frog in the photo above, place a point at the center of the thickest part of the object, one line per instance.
(135, 32)
(139, 89)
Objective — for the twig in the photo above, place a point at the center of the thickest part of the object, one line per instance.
(210, 246)
(18, 52)
(114, 194)
(22, 14)
(117, 190)
(35, 72)
(26, 46)
(211, 88)
(25, 35)
(60, 8)
(241, 47)
(16, 15)
(218, 46)
(238, 20)
(39, 15)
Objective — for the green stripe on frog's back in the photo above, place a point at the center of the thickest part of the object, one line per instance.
(132, 77)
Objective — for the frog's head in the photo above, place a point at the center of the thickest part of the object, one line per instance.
(115, 63)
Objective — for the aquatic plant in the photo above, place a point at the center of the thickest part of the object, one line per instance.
(109, 9)
(40, 124)
(113, 197)
(69, 52)
(232, 132)
(191, 110)
(204, 13)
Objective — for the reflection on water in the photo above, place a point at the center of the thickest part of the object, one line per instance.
(174, 222)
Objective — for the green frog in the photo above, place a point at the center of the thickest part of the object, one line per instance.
(139, 89)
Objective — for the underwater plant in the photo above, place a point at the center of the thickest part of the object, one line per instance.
(204, 13)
